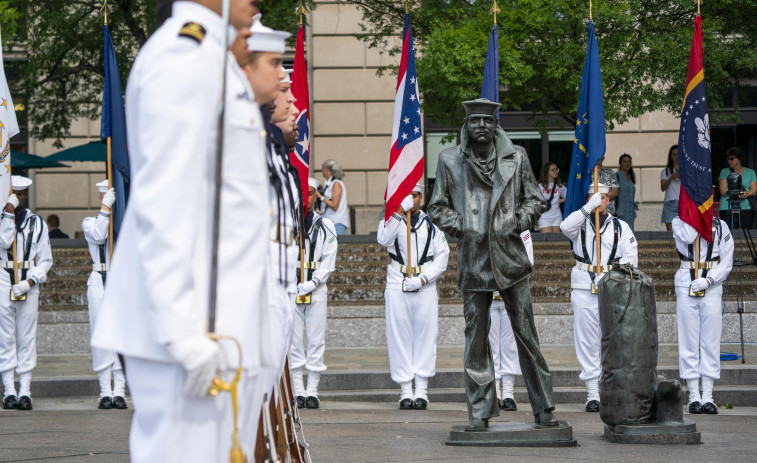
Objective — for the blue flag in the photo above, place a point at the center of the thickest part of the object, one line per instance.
(490, 84)
(589, 139)
(113, 126)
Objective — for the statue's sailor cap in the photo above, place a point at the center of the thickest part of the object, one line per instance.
(20, 183)
(265, 39)
(481, 106)
(314, 183)
(602, 189)
(102, 187)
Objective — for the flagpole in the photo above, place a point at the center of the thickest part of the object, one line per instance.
(110, 158)
(15, 258)
(596, 222)
(409, 242)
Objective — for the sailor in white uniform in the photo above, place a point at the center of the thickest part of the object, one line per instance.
(104, 362)
(320, 249)
(699, 318)
(412, 302)
(502, 342)
(18, 318)
(618, 246)
(156, 305)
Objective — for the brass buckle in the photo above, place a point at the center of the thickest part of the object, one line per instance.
(19, 298)
(594, 289)
(303, 299)
(406, 290)
(693, 293)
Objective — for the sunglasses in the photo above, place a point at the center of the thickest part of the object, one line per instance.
(731, 158)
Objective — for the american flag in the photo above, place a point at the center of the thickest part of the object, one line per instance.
(406, 153)
(300, 157)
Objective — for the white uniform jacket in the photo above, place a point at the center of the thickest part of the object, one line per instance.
(284, 248)
(722, 252)
(579, 228)
(40, 255)
(96, 231)
(323, 256)
(393, 233)
(157, 290)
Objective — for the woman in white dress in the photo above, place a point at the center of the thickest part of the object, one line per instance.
(334, 197)
(554, 192)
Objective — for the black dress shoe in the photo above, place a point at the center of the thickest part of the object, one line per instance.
(24, 403)
(300, 401)
(710, 408)
(420, 404)
(119, 403)
(592, 406)
(546, 419)
(106, 403)
(508, 405)
(406, 404)
(312, 402)
(10, 402)
(477, 425)
(695, 408)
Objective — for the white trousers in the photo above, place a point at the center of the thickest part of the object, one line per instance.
(700, 325)
(411, 330)
(587, 333)
(169, 426)
(502, 342)
(18, 331)
(284, 303)
(101, 358)
(310, 321)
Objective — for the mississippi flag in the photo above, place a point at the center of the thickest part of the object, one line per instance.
(406, 153)
(694, 160)
(300, 157)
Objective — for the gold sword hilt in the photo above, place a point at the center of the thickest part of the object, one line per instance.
(219, 385)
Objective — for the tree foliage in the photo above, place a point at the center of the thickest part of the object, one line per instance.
(643, 45)
(62, 78)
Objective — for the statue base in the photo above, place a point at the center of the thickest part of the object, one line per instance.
(514, 435)
(655, 433)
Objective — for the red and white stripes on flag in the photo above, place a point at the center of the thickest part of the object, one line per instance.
(406, 154)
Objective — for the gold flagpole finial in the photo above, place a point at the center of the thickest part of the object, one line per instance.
(104, 9)
(494, 10)
(407, 6)
(301, 11)
(698, 3)
(590, 18)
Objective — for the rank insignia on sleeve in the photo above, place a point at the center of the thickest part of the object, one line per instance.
(193, 31)
(632, 239)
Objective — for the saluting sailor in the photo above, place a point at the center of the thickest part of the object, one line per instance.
(618, 246)
(104, 362)
(155, 310)
(412, 302)
(502, 342)
(320, 248)
(699, 316)
(19, 299)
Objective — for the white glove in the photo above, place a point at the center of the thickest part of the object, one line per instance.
(201, 357)
(306, 288)
(407, 203)
(13, 201)
(594, 202)
(20, 289)
(109, 198)
(413, 284)
(700, 284)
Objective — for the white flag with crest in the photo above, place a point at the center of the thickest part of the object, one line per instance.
(8, 128)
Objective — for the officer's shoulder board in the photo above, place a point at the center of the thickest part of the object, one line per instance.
(193, 31)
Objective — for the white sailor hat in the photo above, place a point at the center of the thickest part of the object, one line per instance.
(20, 183)
(314, 183)
(418, 187)
(266, 39)
(102, 187)
(288, 78)
(602, 189)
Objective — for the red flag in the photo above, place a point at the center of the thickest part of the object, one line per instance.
(300, 157)
(694, 158)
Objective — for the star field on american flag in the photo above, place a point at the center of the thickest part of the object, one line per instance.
(410, 130)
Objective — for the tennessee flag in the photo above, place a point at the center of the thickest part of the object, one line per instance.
(8, 128)
(300, 157)
(694, 159)
(406, 152)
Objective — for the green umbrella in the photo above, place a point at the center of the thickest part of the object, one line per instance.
(88, 152)
(21, 160)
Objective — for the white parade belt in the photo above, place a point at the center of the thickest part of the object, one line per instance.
(593, 268)
(403, 269)
(309, 265)
(99, 267)
(283, 235)
(706, 265)
(25, 265)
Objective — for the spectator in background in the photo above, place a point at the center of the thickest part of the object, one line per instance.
(554, 192)
(748, 180)
(670, 183)
(626, 206)
(609, 177)
(334, 197)
(53, 222)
